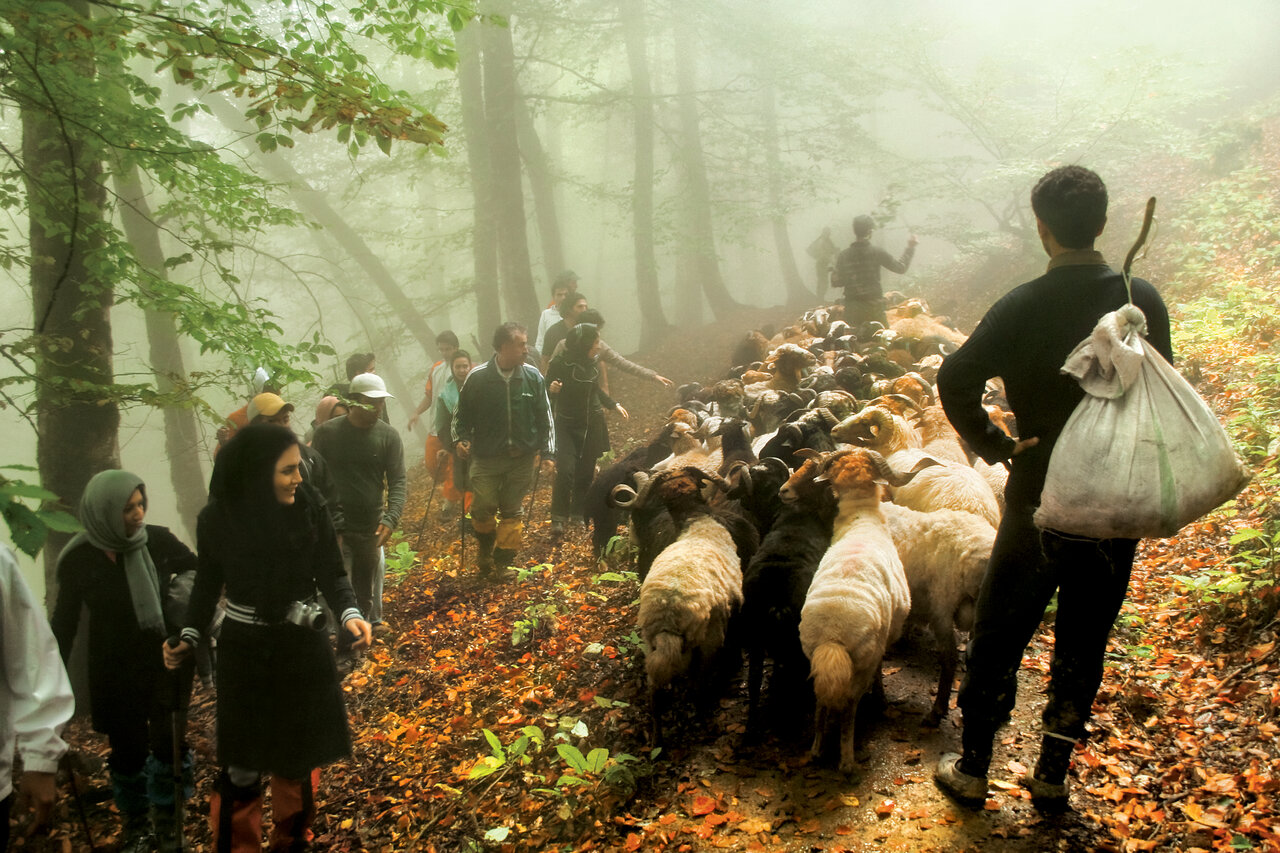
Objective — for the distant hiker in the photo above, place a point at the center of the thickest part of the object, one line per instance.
(573, 381)
(857, 272)
(366, 458)
(437, 376)
(608, 356)
(239, 419)
(361, 362)
(1024, 338)
(570, 308)
(823, 251)
(264, 538)
(453, 471)
(502, 426)
(122, 570)
(35, 699)
(329, 407)
(565, 283)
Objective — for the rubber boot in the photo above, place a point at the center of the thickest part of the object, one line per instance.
(294, 809)
(129, 790)
(503, 557)
(484, 551)
(168, 834)
(235, 814)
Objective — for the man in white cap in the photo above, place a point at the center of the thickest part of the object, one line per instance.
(366, 459)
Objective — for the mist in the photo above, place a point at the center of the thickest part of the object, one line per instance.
(935, 116)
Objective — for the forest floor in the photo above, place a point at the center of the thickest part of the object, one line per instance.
(512, 716)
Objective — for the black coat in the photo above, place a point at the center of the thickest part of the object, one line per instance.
(126, 665)
(280, 706)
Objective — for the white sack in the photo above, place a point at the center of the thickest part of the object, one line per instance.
(1142, 455)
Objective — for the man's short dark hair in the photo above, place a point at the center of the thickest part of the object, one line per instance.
(358, 363)
(1072, 202)
(447, 337)
(457, 354)
(571, 299)
(592, 316)
(863, 225)
(507, 332)
(567, 278)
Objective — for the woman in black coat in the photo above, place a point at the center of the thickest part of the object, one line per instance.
(573, 380)
(266, 538)
(122, 570)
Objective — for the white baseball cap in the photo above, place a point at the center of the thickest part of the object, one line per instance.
(370, 385)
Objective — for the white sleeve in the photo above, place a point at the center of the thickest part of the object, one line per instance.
(548, 318)
(33, 682)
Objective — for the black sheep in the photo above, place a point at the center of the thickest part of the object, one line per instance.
(605, 517)
(774, 585)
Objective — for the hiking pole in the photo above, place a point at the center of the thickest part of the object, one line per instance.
(75, 794)
(426, 511)
(528, 512)
(177, 724)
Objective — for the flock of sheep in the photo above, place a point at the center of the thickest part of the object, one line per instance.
(800, 510)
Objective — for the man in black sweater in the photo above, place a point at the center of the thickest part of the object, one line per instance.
(1024, 339)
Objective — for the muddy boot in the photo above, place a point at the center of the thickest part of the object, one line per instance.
(168, 834)
(502, 558)
(484, 552)
(129, 790)
(135, 835)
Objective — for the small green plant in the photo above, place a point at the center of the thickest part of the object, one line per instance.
(400, 561)
(541, 615)
(30, 527)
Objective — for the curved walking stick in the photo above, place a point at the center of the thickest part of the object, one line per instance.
(177, 725)
(1147, 216)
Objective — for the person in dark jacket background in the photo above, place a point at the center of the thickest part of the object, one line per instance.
(266, 538)
(1025, 338)
(122, 569)
(502, 425)
(573, 379)
(857, 273)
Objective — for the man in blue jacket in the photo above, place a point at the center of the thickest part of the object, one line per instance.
(503, 424)
(1024, 339)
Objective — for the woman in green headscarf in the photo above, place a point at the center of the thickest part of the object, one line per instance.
(121, 569)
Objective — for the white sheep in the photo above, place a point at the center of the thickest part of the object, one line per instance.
(944, 554)
(949, 485)
(858, 600)
(693, 588)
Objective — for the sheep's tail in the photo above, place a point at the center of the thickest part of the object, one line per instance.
(665, 659)
(832, 673)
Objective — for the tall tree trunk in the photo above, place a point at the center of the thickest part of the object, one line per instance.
(542, 181)
(484, 235)
(314, 204)
(182, 443)
(701, 237)
(797, 295)
(77, 422)
(653, 322)
(504, 154)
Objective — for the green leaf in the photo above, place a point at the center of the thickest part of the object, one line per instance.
(572, 756)
(498, 834)
(19, 489)
(597, 758)
(495, 745)
(611, 577)
(56, 519)
(1245, 535)
(570, 779)
(26, 528)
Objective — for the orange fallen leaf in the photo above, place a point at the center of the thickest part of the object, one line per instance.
(703, 805)
(885, 808)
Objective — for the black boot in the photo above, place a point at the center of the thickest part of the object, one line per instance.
(502, 558)
(484, 551)
(169, 837)
(135, 834)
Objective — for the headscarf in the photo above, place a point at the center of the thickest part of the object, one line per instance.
(102, 515)
(324, 409)
(243, 492)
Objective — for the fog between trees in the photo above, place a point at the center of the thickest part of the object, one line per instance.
(764, 123)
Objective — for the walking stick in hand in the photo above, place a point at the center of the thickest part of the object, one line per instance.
(177, 724)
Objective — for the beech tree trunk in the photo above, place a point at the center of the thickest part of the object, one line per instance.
(484, 235)
(797, 295)
(182, 443)
(314, 204)
(77, 422)
(701, 237)
(542, 181)
(500, 108)
(653, 323)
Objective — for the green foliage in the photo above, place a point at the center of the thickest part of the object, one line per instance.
(30, 527)
(400, 561)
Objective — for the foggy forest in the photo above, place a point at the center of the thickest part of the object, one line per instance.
(197, 195)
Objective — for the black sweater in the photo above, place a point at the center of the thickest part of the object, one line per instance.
(1024, 339)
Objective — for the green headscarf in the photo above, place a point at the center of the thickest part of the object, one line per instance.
(102, 515)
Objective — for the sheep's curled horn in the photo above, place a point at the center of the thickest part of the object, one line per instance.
(891, 476)
(631, 495)
(828, 417)
(905, 400)
(742, 472)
